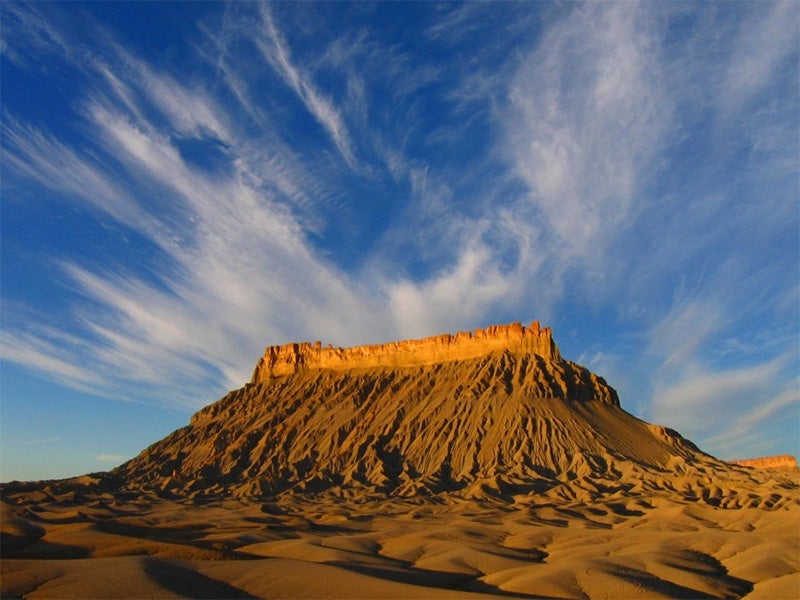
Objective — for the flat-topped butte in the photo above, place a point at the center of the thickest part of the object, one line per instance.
(291, 358)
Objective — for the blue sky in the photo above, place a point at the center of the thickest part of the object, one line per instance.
(183, 184)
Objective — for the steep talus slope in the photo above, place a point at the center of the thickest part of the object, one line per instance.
(501, 424)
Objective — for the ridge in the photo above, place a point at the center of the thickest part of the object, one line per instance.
(515, 338)
(780, 461)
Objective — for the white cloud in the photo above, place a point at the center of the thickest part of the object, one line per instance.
(707, 382)
(719, 408)
(747, 422)
(187, 107)
(763, 48)
(451, 301)
(24, 25)
(41, 158)
(48, 358)
(110, 458)
(235, 271)
(682, 332)
(699, 395)
(276, 51)
(588, 115)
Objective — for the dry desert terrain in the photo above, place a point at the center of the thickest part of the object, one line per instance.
(475, 464)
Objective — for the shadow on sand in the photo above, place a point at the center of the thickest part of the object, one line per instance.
(431, 579)
(189, 583)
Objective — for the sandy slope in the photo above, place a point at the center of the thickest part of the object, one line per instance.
(721, 539)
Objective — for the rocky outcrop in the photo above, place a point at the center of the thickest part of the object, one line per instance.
(498, 420)
(515, 338)
(496, 411)
(782, 461)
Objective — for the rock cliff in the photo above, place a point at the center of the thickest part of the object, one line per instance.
(514, 338)
(496, 411)
(782, 461)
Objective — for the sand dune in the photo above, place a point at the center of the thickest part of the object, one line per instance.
(632, 544)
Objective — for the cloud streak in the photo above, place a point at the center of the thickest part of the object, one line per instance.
(227, 246)
(110, 458)
(736, 400)
(274, 49)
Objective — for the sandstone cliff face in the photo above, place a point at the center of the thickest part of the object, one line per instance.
(782, 461)
(514, 338)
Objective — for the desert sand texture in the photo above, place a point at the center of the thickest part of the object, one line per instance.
(696, 538)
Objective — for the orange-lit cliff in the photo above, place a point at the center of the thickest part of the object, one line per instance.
(515, 338)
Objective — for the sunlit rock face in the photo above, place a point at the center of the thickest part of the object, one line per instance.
(514, 338)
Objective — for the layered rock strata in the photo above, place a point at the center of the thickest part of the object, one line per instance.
(514, 338)
(782, 461)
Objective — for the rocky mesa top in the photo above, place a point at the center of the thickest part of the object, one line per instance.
(514, 337)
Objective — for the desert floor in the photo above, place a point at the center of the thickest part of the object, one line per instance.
(69, 540)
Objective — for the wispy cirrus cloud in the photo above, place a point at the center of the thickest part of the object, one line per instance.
(585, 115)
(48, 358)
(763, 48)
(589, 113)
(737, 401)
(110, 458)
(228, 244)
(38, 156)
(718, 360)
(275, 50)
(743, 430)
(597, 115)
